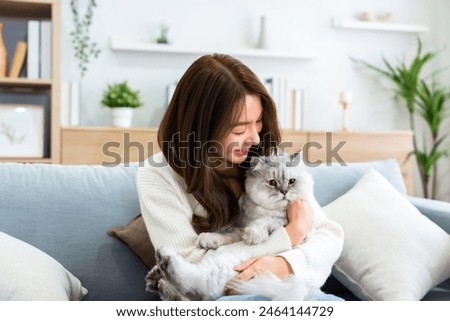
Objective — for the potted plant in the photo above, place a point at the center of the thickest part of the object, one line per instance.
(430, 103)
(121, 100)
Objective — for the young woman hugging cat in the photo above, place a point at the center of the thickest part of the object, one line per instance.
(190, 195)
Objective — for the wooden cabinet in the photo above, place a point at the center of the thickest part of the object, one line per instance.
(363, 147)
(107, 146)
(42, 91)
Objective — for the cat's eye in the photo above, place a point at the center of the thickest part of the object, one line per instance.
(272, 182)
(291, 181)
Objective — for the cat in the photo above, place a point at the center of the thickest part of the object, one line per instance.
(271, 183)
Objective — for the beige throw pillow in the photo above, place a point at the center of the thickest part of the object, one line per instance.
(135, 235)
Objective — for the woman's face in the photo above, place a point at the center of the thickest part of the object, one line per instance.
(244, 133)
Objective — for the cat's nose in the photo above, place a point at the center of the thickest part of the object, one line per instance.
(283, 192)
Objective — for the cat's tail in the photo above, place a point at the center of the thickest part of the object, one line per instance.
(270, 286)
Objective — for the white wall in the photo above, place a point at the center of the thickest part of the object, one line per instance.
(292, 24)
(441, 39)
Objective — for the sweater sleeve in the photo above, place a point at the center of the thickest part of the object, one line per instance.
(167, 214)
(313, 259)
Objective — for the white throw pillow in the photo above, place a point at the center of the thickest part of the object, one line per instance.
(27, 273)
(391, 251)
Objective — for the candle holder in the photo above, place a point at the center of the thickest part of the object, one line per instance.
(345, 106)
(345, 99)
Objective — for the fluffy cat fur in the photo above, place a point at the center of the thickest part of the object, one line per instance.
(271, 184)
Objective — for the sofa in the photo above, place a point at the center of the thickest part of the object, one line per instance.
(64, 213)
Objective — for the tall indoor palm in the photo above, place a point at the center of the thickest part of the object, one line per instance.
(430, 102)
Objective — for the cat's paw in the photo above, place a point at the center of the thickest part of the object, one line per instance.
(152, 278)
(254, 236)
(163, 257)
(231, 288)
(209, 241)
(169, 293)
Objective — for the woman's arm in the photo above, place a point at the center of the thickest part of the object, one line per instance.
(313, 259)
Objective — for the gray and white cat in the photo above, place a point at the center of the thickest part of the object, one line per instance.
(271, 184)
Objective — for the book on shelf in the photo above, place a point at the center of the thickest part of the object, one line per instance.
(288, 101)
(45, 66)
(297, 105)
(33, 35)
(39, 55)
(170, 91)
(18, 59)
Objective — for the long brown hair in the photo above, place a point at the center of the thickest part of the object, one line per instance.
(206, 101)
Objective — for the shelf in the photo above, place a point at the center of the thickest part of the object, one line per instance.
(31, 9)
(380, 26)
(25, 82)
(127, 45)
(26, 160)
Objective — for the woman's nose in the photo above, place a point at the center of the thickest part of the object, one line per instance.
(253, 137)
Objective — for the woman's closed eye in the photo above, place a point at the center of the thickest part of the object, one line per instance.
(240, 130)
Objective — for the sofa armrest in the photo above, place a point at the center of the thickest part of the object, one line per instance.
(437, 211)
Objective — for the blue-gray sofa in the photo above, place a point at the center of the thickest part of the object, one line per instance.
(66, 211)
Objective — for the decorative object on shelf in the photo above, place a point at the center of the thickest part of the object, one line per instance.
(430, 103)
(387, 17)
(366, 16)
(69, 107)
(163, 36)
(345, 99)
(84, 46)
(3, 54)
(18, 59)
(21, 130)
(262, 39)
(122, 100)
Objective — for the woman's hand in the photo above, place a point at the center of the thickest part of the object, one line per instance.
(260, 264)
(300, 220)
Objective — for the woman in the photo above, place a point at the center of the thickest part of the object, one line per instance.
(220, 114)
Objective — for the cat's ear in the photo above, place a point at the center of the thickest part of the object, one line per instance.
(256, 163)
(296, 159)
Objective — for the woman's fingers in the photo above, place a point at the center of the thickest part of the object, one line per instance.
(244, 265)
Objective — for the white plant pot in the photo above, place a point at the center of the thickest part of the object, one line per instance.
(121, 116)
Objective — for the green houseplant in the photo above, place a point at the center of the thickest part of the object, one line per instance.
(430, 103)
(121, 99)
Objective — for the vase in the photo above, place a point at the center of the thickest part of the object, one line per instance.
(3, 54)
(262, 40)
(121, 117)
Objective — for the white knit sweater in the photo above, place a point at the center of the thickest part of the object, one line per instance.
(167, 211)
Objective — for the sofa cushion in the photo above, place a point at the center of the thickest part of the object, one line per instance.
(66, 212)
(26, 273)
(391, 251)
(135, 235)
(334, 180)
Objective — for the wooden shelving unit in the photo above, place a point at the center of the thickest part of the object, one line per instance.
(24, 82)
(119, 44)
(25, 10)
